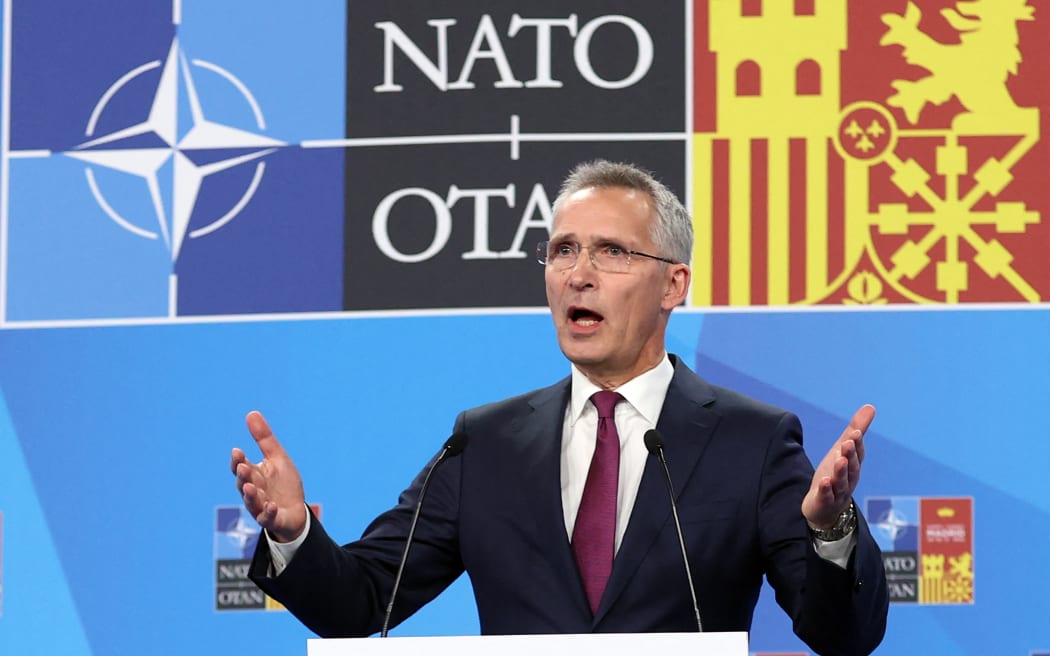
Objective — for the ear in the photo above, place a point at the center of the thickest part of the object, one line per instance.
(677, 285)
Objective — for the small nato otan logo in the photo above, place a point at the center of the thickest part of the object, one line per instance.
(894, 524)
(236, 536)
(927, 547)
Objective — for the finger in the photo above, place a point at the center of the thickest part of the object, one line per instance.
(249, 473)
(243, 475)
(858, 424)
(267, 518)
(263, 436)
(852, 454)
(840, 479)
(862, 418)
(254, 499)
(236, 458)
(826, 492)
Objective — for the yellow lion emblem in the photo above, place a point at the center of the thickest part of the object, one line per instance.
(974, 71)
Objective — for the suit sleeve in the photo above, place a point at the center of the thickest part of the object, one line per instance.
(837, 612)
(342, 591)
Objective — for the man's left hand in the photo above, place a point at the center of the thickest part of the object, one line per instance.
(838, 473)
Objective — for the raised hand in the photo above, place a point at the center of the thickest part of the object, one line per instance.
(272, 490)
(838, 473)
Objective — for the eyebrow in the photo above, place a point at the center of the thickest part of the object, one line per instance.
(599, 239)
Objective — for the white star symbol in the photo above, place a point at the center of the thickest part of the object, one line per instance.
(146, 162)
(892, 524)
(240, 533)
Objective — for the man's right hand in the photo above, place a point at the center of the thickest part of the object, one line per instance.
(272, 490)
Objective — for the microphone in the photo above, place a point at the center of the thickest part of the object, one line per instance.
(453, 447)
(654, 442)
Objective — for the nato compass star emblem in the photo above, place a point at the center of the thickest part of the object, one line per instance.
(892, 524)
(156, 148)
(241, 534)
(236, 533)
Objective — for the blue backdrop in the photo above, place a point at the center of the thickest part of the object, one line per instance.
(187, 230)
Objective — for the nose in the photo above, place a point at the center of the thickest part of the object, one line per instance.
(583, 271)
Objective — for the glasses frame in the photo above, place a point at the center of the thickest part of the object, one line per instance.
(543, 255)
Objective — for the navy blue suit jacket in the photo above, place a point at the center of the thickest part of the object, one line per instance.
(496, 512)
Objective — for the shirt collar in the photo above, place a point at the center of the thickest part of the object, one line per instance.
(645, 392)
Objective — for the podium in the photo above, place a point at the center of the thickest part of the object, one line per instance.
(610, 644)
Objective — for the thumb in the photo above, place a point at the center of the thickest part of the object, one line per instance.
(263, 436)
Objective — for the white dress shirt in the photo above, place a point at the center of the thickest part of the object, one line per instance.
(636, 414)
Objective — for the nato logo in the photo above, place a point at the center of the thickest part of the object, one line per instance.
(236, 536)
(894, 523)
(157, 165)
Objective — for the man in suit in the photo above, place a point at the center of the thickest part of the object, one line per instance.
(556, 539)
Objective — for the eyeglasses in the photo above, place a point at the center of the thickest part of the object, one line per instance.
(605, 256)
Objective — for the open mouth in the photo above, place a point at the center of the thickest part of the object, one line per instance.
(584, 317)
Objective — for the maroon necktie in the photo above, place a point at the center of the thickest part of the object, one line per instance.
(594, 535)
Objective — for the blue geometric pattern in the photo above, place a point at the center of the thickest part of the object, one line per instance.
(39, 613)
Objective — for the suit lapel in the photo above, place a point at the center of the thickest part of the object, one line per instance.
(686, 425)
(539, 436)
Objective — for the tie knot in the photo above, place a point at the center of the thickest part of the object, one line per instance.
(605, 401)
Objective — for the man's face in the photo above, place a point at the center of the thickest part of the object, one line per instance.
(611, 325)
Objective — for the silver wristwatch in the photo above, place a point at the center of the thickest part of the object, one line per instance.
(846, 524)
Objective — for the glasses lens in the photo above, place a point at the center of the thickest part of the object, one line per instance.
(564, 255)
(561, 255)
(611, 258)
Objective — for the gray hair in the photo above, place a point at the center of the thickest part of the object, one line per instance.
(673, 230)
